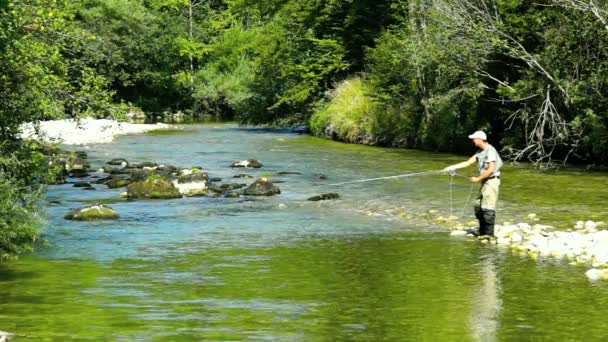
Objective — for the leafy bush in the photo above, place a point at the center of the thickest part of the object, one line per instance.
(349, 114)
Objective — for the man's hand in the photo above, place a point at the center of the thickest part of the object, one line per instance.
(475, 179)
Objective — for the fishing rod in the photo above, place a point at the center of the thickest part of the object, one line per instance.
(426, 173)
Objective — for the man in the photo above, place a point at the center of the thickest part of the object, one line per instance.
(488, 164)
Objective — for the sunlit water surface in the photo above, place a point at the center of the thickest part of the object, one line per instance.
(371, 266)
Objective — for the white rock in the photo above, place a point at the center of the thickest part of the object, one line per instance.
(458, 233)
(5, 336)
(531, 216)
(193, 188)
(516, 237)
(595, 274)
(590, 225)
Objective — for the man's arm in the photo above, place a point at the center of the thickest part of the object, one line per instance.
(462, 165)
(487, 173)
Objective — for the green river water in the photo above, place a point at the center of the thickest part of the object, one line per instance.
(371, 266)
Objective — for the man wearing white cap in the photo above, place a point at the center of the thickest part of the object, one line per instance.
(488, 164)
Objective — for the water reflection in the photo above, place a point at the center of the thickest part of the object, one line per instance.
(484, 318)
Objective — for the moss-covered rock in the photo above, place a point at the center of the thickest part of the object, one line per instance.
(262, 187)
(115, 183)
(94, 212)
(152, 188)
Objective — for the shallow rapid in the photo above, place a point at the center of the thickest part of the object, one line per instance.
(371, 266)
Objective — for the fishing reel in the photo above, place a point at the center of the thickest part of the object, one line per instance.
(452, 172)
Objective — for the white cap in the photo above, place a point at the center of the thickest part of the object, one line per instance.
(479, 135)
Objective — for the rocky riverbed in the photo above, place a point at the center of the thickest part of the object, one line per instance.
(584, 244)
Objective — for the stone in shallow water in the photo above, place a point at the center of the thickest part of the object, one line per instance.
(116, 183)
(82, 185)
(92, 213)
(324, 197)
(118, 162)
(262, 187)
(232, 186)
(249, 163)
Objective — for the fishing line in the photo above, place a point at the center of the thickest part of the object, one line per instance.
(452, 174)
(426, 173)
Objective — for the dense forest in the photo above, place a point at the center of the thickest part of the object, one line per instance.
(410, 73)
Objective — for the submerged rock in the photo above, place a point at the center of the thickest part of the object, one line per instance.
(262, 187)
(82, 185)
(242, 175)
(215, 179)
(154, 188)
(92, 213)
(232, 195)
(287, 173)
(324, 197)
(249, 163)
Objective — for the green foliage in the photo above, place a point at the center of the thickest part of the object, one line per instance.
(349, 116)
(23, 169)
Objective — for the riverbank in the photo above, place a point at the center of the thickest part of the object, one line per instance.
(83, 131)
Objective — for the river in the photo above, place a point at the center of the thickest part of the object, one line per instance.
(372, 266)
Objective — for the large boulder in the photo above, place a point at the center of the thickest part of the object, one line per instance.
(94, 212)
(324, 197)
(152, 188)
(262, 187)
(249, 163)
